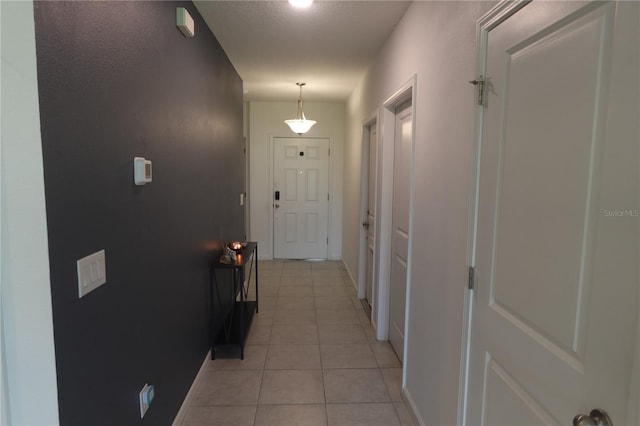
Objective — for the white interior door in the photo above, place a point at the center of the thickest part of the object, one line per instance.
(301, 198)
(555, 313)
(400, 227)
(370, 220)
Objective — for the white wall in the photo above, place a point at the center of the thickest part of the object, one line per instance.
(435, 41)
(266, 120)
(28, 366)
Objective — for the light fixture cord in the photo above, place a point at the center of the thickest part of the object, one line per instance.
(300, 110)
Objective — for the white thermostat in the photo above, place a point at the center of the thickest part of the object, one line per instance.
(184, 22)
(141, 170)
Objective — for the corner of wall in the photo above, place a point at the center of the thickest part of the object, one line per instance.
(28, 356)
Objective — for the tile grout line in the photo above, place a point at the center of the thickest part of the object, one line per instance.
(324, 388)
(264, 366)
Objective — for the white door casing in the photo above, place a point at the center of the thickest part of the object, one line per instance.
(370, 218)
(555, 309)
(300, 216)
(400, 226)
(386, 125)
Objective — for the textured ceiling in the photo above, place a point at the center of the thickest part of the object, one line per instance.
(273, 45)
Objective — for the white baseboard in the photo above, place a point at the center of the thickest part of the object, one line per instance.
(192, 390)
(412, 408)
(353, 282)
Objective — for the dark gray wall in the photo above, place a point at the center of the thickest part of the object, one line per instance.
(118, 80)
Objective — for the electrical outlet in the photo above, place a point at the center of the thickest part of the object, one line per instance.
(146, 398)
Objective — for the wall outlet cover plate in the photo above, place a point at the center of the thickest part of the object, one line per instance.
(146, 398)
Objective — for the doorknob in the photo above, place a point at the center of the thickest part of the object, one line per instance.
(365, 225)
(277, 206)
(596, 417)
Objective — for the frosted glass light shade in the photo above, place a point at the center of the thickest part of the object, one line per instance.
(300, 126)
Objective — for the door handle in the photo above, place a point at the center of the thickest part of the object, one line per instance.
(277, 206)
(365, 225)
(596, 417)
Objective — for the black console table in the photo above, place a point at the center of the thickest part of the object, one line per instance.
(236, 319)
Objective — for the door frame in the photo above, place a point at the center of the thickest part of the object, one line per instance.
(364, 195)
(490, 20)
(403, 111)
(271, 190)
(244, 196)
(384, 212)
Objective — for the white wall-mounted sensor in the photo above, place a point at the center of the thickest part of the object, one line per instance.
(184, 21)
(142, 172)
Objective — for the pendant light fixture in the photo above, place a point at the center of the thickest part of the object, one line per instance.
(300, 124)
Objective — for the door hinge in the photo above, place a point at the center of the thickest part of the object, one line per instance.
(329, 152)
(472, 277)
(327, 196)
(327, 240)
(479, 83)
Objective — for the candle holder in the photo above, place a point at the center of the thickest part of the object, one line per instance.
(236, 246)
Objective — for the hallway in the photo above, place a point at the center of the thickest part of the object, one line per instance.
(310, 359)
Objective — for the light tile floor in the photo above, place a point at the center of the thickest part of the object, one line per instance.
(310, 359)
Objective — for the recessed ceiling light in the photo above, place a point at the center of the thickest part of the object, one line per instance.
(300, 3)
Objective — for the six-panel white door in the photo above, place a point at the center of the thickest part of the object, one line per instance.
(400, 227)
(555, 312)
(301, 180)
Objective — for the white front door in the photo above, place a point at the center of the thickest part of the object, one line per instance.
(300, 199)
(555, 312)
(370, 220)
(400, 226)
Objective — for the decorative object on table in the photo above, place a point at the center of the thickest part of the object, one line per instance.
(236, 246)
(231, 253)
(225, 258)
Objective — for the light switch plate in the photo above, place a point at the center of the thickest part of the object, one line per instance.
(92, 272)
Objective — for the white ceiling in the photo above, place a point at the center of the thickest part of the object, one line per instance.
(274, 45)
